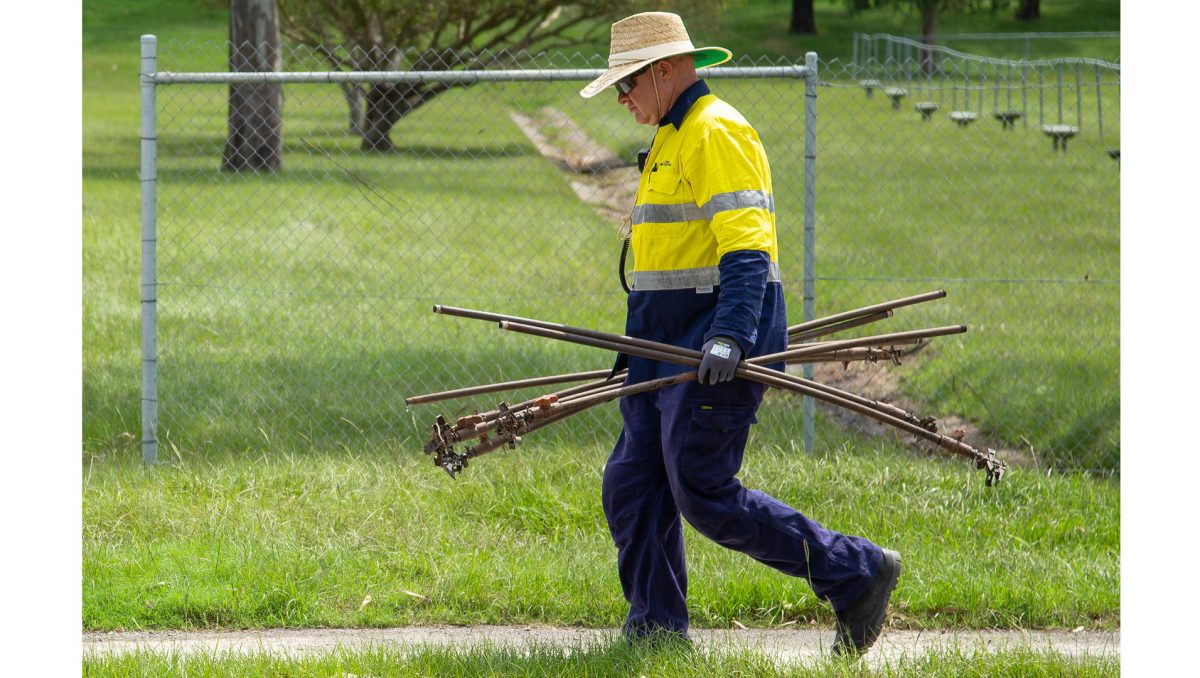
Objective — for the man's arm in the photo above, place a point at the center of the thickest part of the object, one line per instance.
(732, 187)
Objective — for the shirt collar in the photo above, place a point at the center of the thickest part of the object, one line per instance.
(684, 103)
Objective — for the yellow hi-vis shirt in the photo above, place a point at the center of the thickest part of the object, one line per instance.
(705, 257)
(706, 192)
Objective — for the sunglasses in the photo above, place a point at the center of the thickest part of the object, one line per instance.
(626, 84)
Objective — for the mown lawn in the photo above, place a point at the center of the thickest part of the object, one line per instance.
(287, 506)
(304, 316)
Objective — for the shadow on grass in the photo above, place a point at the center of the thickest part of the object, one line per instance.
(210, 404)
(172, 146)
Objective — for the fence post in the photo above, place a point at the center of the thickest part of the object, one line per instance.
(810, 223)
(995, 89)
(954, 89)
(1078, 95)
(1024, 96)
(1041, 97)
(854, 57)
(1008, 85)
(149, 178)
(966, 85)
(1058, 69)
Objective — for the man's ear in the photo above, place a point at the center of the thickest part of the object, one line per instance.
(666, 68)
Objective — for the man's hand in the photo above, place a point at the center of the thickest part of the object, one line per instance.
(721, 356)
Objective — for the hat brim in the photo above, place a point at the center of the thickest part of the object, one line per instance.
(705, 57)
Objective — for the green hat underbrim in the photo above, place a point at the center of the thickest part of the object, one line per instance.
(711, 56)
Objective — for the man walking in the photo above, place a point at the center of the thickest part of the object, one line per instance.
(706, 276)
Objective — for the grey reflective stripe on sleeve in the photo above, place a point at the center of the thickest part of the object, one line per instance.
(688, 278)
(649, 213)
(736, 200)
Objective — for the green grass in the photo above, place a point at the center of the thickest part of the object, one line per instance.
(759, 27)
(285, 539)
(245, 301)
(1025, 241)
(285, 507)
(599, 659)
(294, 307)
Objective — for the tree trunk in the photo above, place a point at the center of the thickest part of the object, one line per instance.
(354, 100)
(385, 105)
(255, 140)
(1029, 10)
(803, 20)
(929, 21)
(388, 103)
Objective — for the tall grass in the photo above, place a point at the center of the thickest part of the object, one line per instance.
(286, 539)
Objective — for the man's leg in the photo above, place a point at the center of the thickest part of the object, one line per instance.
(645, 524)
(704, 432)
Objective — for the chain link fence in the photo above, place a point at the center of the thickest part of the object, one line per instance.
(1000, 181)
(1106, 45)
(293, 304)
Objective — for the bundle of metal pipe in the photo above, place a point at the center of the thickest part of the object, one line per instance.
(505, 425)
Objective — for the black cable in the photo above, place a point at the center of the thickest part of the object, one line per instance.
(642, 155)
(621, 265)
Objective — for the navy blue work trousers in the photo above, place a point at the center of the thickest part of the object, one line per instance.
(678, 455)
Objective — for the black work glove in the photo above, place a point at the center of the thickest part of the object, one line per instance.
(721, 356)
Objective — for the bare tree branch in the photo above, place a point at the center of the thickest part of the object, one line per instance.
(438, 35)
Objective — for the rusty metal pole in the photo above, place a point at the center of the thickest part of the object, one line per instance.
(504, 386)
(616, 341)
(685, 356)
(453, 462)
(667, 353)
(877, 340)
(574, 400)
(871, 354)
(866, 310)
(839, 327)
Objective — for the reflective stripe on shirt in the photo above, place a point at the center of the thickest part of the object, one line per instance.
(652, 213)
(736, 200)
(687, 278)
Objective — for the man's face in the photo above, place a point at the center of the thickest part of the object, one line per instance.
(641, 101)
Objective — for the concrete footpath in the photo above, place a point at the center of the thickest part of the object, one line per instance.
(786, 644)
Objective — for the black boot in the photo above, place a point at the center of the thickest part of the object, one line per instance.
(859, 625)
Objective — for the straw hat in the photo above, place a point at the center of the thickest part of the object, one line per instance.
(642, 38)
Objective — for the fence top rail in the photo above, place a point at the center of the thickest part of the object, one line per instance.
(997, 61)
(448, 77)
(1001, 36)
